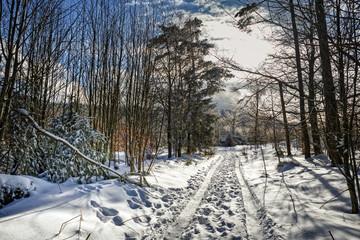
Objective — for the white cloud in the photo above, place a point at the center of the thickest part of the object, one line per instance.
(248, 50)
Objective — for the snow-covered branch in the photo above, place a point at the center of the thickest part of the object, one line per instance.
(26, 114)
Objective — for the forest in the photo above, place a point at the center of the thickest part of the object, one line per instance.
(138, 77)
(106, 76)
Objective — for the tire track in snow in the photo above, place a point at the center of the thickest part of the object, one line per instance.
(216, 209)
(253, 226)
(170, 203)
(263, 222)
(175, 230)
(221, 214)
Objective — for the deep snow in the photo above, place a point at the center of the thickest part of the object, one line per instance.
(226, 196)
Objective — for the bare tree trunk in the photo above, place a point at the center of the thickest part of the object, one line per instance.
(331, 112)
(286, 125)
(350, 180)
(256, 127)
(311, 101)
(303, 123)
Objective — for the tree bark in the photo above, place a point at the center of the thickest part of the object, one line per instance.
(312, 96)
(286, 125)
(303, 123)
(331, 112)
(350, 180)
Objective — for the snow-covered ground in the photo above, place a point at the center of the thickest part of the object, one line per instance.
(294, 195)
(226, 196)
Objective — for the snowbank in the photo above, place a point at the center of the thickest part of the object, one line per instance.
(14, 187)
(292, 200)
(297, 194)
(109, 209)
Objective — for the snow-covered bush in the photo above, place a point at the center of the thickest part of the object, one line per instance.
(62, 162)
(25, 148)
(286, 165)
(14, 187)
(34, 154)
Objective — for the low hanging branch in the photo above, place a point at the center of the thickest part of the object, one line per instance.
(77, 151)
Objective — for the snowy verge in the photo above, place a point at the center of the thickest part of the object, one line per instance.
(294, 194)
(110, 209)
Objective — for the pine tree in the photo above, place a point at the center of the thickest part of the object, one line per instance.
(62, 163)
(190, 83)
(37, 155)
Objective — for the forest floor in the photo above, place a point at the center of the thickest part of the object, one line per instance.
(227, 196)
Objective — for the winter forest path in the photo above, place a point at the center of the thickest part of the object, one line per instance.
(224, 207)
(185, 216)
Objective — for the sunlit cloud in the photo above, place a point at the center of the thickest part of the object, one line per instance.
(246, 49)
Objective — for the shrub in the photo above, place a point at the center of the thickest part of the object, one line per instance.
(37, 155)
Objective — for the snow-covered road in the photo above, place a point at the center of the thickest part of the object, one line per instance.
(224, 207)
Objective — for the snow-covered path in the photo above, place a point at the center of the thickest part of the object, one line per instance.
(224, 207)
(226, 196)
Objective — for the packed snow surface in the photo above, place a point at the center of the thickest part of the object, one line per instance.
(227, 196)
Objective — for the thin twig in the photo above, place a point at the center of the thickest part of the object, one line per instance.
(81, 217)
(59, 187)
(65, 223)
(333, 198)
(293, 204)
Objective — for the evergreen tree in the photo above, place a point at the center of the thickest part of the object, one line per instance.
(62, 163)
(191, 82)
(37, 155)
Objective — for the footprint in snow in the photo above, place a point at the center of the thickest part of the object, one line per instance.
(136, 200)
(133, 205)
(104, 213)
(108, 211)
(102, 218)
(142, 194)
(94, 204)
(148, 204)
(117, 221)
(131, 192)
(166, 198)
(87, 188)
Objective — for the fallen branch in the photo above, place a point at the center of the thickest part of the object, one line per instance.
(293, 202)
(140, 175)
(292, 199)
(333, 198)
(69, 145)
